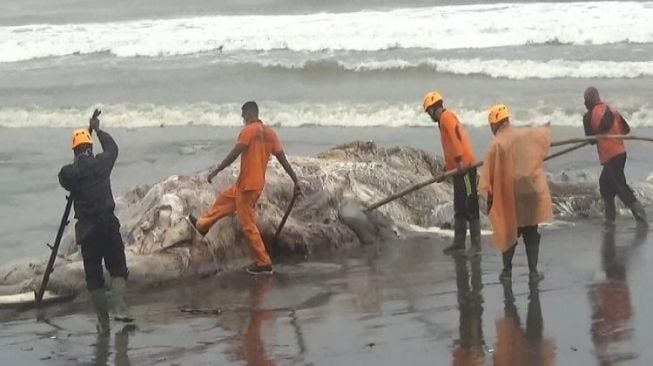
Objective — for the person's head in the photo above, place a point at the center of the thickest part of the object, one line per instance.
(250, 112)
(433, 105)
(82, 142)
(592, 97)
(498, 117)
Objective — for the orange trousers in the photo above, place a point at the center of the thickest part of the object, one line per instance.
(244, 204)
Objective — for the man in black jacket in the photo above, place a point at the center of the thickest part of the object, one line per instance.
(97, 230)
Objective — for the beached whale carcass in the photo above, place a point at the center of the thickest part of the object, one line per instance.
(161, 246)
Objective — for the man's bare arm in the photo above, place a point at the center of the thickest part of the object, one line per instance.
(283, 160)
(228, 160)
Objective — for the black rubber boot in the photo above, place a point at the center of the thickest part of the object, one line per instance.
(101, 306)
(506, 274)
(120, 307)
(509, 309)
(639, 213)
(459, 235)
(475, 237)
(532, 242)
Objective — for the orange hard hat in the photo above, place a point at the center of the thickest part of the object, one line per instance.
(498, 113)
(81, 136)
(431, 98)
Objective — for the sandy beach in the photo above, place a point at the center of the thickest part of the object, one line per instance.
(170, 78)
(401, 302)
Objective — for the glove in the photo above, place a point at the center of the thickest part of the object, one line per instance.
(94, 122)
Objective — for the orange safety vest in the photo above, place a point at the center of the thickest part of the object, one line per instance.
(608, 148)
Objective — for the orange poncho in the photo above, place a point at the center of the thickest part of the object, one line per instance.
(513, 174)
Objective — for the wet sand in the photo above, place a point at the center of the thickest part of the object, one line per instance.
(396, 303)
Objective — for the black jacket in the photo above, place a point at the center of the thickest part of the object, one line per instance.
(88, 180)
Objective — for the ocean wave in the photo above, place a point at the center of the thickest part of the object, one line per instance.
(494, 68)
(378, 114)
(441, 28)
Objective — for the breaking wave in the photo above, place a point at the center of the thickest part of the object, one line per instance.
(438, 28)
(494, 68)
(287, 115)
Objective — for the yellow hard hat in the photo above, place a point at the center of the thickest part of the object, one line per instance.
(498, 113)
(81, 136)
(431, 98)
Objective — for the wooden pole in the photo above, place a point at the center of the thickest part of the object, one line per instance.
(599, 137)
(283, 222)
(54, 250)
(453, 172)
(421, 185)
(567, 150)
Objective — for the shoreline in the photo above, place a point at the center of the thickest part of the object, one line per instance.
(388, 302)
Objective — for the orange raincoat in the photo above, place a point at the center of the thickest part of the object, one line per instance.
(513, 175)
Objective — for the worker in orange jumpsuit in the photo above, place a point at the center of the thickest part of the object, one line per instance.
(602, 119)
(255, 144)
(516, 188)
(458, 154)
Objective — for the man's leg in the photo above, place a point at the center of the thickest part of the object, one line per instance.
(246, 210)
(460, 215)
(224, 205)
(532, 241)
(116, 264)
(473, 212)
(506, 273)
(92, 258)
(623, 190)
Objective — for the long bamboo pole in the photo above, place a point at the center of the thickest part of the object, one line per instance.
(453, 172)
(599, 137)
